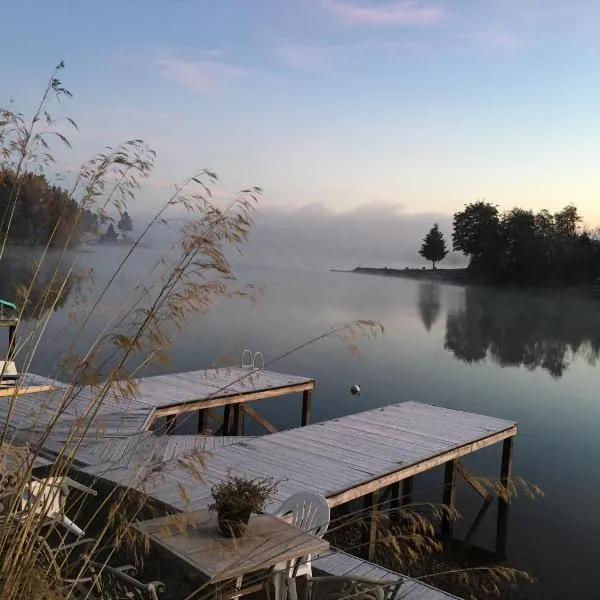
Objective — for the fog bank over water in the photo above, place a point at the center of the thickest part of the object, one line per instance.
(376, 234)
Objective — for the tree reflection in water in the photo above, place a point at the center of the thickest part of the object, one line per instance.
(50, 288)
(429, 303)
(533, 329)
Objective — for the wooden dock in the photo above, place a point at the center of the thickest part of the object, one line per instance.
(233, 388)
(170, 396)
(358, 456)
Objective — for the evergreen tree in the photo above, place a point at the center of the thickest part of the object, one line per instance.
(434, 246)
(125, 223)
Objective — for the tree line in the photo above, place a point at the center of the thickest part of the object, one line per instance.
(42, 213)
(520, 246)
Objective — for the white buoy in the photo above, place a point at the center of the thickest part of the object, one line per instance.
(355, 390)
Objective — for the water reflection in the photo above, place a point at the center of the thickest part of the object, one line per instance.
(429, 303)
(49, 289)
(530, 329)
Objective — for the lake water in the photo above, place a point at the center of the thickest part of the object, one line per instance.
(529, 357)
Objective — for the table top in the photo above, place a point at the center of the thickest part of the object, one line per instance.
(194, 538)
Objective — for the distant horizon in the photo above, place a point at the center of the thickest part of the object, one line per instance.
(424, 103)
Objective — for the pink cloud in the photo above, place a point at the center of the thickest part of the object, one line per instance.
(492, 39)
(399, 12)
(201, 75)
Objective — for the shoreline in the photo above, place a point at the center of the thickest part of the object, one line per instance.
(444, 275)
(460, 276)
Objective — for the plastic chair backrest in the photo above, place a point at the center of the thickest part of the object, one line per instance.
(310, 512)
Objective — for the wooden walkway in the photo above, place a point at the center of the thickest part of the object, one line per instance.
(40, 398)
(344, 458)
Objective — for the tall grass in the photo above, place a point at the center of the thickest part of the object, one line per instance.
(190, 279)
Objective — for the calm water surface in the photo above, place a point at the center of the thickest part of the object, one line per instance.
(529, 357)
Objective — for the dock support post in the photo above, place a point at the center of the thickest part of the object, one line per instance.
(306, 403)
(11, 341)
(202, 421)
(503, 498)
(449, 496)
(226, 420)
(369, 531)
(401, 496)
(395, 500)
(407, 490)
(237, 420)
(171, 422)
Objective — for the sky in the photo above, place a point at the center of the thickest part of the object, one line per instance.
(409, 106)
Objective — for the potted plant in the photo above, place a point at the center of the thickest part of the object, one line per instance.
(236, 498)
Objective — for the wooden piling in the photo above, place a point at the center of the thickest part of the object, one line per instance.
(401, 496)
(170, 425)
(370, 524)
(449, 498)
(407, 491)
(11, 341)
(236, 428)
(202, 421)
(306, 406)
(226, 429)
(503, 498)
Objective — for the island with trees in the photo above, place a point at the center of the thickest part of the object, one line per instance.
(519, 247)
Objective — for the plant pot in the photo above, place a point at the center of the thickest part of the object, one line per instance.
(233, 524)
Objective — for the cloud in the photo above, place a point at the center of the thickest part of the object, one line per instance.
(199, 75)
(494, 40)
(313, 57)
(375, 233)
(302, 56)
(399, 12)
(379, 233)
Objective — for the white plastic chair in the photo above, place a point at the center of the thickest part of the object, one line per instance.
(48, 497)
(310, 513)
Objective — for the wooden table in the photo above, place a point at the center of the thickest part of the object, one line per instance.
(194, 539)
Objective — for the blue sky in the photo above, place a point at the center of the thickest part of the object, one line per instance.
(415, 104)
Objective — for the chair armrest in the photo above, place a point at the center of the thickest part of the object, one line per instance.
(127, 569)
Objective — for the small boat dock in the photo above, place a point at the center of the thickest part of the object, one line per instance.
(356, 457)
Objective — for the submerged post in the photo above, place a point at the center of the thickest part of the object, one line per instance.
(306, 404)
(449, 497)
(503, 498)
